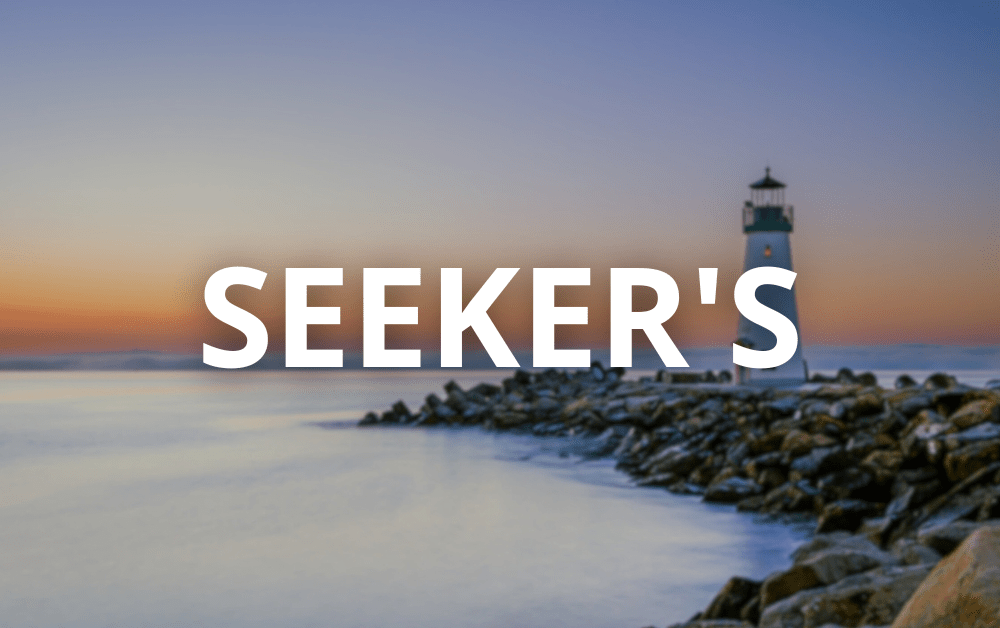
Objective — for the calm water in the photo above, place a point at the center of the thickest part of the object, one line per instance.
(199, 499)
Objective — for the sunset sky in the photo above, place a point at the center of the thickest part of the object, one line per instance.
(143, 147)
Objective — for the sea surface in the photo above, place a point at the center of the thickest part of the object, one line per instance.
(237, 499)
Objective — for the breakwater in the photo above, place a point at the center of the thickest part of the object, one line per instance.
(896, 478)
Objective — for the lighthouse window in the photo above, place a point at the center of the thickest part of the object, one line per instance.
(767, 251)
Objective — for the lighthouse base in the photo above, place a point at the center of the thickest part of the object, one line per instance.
(770, 248)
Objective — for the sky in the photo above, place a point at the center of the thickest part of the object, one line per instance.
(143, 146)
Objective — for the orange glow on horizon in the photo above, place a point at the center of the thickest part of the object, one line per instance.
(54, 315)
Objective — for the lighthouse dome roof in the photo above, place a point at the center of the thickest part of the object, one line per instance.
(767, 183)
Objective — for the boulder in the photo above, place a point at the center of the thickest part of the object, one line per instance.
(737, 453)
(883, 462)
(731, 599)
(403, 414)
(870, 600)
(845, 514)
(824, 440)
(486, 390)
(818, 461)
(790, 497)
(769, 479)
(976, 412)
(867, 403)
(900, 505)
(772, 460)
(927, 424)
(962, 590)
(846, 376)
(797, 443)
(675, 459)
(873, 597)
(829, 425)
(576, 406)
(877, 529)
(978, 433)
(509, 420)
(783, 584)
(966, 460)
(838, 410)
(913, 404)
(868, 379)
(660, 479)
(910, 552)
(940, 380)
(905, 381)
(643, 403)
(944, 538)
(731, 490)
(713, 623)
(861, 444)
(782, 406)
(953, 508)
(820, 542)
(815, 567)
(767, 443)
(445, 412)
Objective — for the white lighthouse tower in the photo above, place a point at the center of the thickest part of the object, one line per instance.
(767, 222)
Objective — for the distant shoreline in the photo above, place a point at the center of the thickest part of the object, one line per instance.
(919, 358)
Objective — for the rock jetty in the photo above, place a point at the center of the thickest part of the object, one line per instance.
(896, 478)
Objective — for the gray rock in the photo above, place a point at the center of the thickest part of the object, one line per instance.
(912, 405)
(928, 431)
(876, 529)
(945, 538)
(980, 432)
(675, 459)
(819, 460)
(873, 597)
(966, 460)
(901, 504)
(819, 565)
(712, 404)
(820, 542)
(905, 381)
(627, 443)
(838, 410)
(444, 412)
(790, 497)
(713, 623)
(910, 552)
(784, 405)
(845, 514)
(957, 507)
(737, 454)
(976, 412)
(731, 490)
(861, 444)
(940, 380)
(664, 480)
(642, 404)
(731, 599)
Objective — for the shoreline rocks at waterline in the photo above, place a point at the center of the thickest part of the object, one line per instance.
(896, 478)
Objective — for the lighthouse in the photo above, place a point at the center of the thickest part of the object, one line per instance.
(767, 223)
